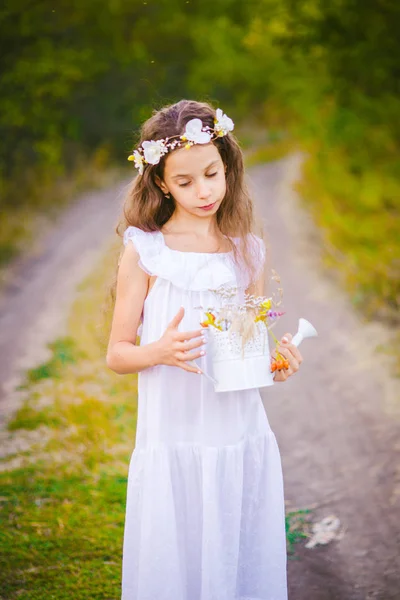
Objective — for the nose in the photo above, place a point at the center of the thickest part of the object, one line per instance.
(203, 190)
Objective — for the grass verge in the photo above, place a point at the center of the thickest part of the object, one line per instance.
(64, 467)
(357, 216)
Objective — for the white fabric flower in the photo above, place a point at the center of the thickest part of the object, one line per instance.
(153, 151)
(138, 158)
(223, 124)
(193, 132)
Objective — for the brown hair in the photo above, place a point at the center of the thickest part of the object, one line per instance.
(147, 208)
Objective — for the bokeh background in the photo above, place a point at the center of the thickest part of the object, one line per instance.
(308, 78)
(79, 78)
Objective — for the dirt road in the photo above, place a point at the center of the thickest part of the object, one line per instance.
(336, 421)
(34, 305)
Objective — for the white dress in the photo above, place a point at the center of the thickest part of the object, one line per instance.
(205, 506)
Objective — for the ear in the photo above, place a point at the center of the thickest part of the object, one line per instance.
(161, 184)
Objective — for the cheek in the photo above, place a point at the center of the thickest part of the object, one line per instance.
(181, 194)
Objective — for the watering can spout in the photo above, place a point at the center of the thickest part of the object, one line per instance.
(305, 330)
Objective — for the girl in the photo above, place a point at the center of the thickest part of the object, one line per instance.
(205, 507)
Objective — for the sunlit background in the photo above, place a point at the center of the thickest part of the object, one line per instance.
(77, 79)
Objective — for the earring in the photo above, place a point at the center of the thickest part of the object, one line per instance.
(168, 195)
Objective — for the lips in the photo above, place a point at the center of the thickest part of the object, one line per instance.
(208, 206)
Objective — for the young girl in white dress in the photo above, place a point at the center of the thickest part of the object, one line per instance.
(205, 506)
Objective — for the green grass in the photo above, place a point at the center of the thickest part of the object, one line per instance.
(358, 217)
(63, 352)
(297, 527)
(356, 211)
(63, 534)
(62, 501)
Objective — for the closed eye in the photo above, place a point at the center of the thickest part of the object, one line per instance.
(208, 175)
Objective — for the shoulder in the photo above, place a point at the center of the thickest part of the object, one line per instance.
(138, 236)
(146, 247)
(129, 262)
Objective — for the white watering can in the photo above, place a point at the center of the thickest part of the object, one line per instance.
(305, 330)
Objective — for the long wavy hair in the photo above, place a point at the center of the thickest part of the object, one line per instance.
(147, 208)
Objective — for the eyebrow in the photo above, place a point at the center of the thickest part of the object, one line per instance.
(214, 162)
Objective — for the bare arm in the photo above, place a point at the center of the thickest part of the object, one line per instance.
(123, 356)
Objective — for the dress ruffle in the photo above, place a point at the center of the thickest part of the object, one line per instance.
(195, 271)
(206, 522)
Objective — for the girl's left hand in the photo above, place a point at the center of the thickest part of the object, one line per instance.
(292, 353)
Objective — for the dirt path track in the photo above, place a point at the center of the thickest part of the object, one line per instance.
(336, 421)
(35, 304)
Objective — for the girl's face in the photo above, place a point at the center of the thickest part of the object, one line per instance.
(196, 179)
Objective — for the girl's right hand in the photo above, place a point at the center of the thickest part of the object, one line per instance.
(174, 345)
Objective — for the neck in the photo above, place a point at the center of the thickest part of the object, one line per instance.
(200, 227)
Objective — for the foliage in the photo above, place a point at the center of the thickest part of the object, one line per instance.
(328, 74)
(78, 76)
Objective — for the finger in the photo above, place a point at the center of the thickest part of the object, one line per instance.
(194, 343)
(177, 318)
(191, 369)
(280, 376)
(292, 360)
(287, 336)
(188, 335)
(187, 356)
(286, 351)
(293, 349)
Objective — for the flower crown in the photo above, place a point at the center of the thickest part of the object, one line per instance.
(150, 152)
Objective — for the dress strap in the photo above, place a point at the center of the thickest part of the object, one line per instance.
(148, 244)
